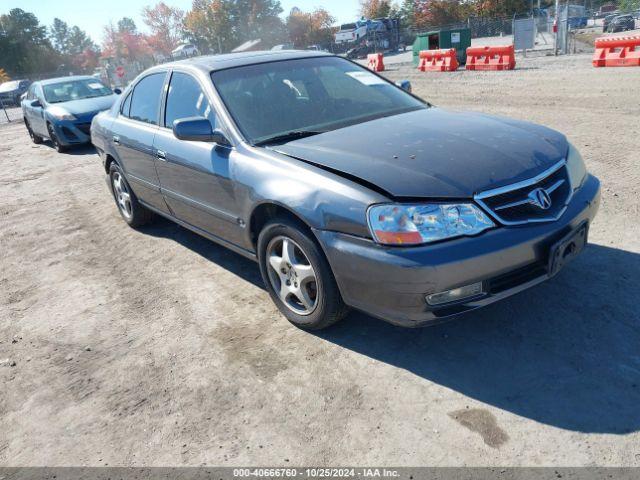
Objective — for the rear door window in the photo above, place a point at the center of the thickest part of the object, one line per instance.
(145, 99)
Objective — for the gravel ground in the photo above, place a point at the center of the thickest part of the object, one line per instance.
(156, 347)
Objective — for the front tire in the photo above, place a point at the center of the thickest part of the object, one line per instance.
(297, 276)
(37, 139)
(60, 148)
(128, 205)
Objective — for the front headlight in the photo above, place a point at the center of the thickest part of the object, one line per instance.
(575, 167)
(60, 113)
(398, 224)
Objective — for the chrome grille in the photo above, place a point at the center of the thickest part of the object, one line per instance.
(540, 199)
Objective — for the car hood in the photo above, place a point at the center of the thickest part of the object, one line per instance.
(87, 106)
(434, 152)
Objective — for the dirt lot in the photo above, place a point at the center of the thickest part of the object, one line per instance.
(157, 347)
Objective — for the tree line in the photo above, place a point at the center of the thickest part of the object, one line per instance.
(215, 26)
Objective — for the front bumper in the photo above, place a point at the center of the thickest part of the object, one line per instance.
(391, 283)
(72, 132)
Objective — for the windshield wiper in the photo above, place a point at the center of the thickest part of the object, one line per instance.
(285, 137)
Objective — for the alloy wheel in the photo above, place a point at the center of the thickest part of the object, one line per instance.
(123, 197)
(291, 275)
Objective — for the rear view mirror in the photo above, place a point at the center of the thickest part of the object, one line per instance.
(36, 103)
(198, 129)
(405, 85)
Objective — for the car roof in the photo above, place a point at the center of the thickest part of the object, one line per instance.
(49, 81)
(229, 60)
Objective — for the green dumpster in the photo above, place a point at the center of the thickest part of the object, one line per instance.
(458, 38)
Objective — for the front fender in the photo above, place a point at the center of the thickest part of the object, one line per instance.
(323, 200)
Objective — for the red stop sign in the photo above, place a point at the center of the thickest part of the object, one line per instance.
(120, 71)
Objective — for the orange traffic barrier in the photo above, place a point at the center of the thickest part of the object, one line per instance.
(438, 60)
(376, 62)
(617, 52)
(501, 57)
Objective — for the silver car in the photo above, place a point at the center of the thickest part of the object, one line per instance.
(348, 190)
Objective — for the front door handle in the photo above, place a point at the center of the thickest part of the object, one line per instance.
(161, 155)
(116, 139)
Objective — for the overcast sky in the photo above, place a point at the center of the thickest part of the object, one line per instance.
(92, 15)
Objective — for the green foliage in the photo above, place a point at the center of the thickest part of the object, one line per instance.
(25, 48)
(629, 5)
(127, 25)
(75, 47)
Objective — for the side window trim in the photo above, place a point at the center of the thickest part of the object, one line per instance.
(127, 98)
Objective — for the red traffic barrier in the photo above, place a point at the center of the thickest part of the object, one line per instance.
(438, 60)
(376, 62)
(617, 52)
(500, 57)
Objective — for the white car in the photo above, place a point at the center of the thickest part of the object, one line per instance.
(186, 50)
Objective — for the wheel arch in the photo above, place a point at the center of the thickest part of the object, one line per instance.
(109, 160)
(268, 210)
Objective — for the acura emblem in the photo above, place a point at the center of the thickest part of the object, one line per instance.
(540, 198)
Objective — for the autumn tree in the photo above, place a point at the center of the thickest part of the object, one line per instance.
(166, 26)
(433, 13)
(310, 28)
(208, 25)
(124, 42)
(375, 8)
(255, 19)
(499, 8)
(221, 25)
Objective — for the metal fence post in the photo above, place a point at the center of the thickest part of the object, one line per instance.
(5, 111)
(556, 28)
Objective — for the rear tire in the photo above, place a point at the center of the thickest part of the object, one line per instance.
(298, 276)
(128, 205)
(37, 139)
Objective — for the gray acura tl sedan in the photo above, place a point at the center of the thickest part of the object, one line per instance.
(348, 190)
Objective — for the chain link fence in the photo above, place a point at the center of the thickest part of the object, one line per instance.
(500, 30)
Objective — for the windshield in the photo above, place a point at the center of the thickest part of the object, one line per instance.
(74, 90)
(313, 94)
(347, 26)
(8, 86)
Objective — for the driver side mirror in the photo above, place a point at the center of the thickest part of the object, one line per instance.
(36, 103)
(117, 91)
(198, 129)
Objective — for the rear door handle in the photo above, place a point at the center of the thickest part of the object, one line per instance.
(116, 139)
(161, 155)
